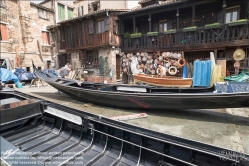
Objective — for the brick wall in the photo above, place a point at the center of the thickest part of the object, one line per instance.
(24, 30)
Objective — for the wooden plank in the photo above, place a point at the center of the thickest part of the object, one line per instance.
(223, 66)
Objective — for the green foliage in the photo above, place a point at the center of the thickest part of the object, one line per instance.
(193, 27)
(170, 31)
(136, 34)
(127, 34)
(152, 33)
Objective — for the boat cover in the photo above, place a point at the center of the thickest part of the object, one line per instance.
(6, 75)
(231, 87)
(22, 74)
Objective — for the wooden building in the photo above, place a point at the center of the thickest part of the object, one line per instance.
(90, 42)
(194, 27)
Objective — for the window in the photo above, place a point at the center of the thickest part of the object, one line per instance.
(45, 38)
(3, 32)
(80, 11)
(232, 14)
(2, 3)
(70, 12)
(91, 60)
(100, 28)
(61, 12)
(163, 26)
(43, 14)
(96, 5)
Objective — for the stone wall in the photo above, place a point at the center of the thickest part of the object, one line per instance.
(107, 67)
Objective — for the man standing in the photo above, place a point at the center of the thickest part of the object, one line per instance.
(161, 71)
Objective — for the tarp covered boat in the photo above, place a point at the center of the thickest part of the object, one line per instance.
(46, 133)
(148, 97)
(165, 81)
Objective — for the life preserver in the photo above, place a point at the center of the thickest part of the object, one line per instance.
(179, 62)
(172, 68)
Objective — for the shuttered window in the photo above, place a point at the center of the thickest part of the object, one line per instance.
(45, 38)
(2, 3)
(61, 12)
(100, 26)
(80, 11)
(70, 12)
(3, 32)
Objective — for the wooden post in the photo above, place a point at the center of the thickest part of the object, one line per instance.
(215, 55)
(177, 18)
(224, 11)
(149, 22)
(134, 25)
(193, 15)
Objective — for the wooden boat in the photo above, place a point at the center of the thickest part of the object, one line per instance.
(52, 134)
(165, 81)
(145, 97)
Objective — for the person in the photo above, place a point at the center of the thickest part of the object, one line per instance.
(64, 71)
(161, 71)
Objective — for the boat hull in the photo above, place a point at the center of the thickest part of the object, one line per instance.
(167, 81)
(152, 101)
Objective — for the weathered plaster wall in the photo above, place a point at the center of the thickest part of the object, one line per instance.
(107, 67)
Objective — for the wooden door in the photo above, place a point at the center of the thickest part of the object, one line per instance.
(117, 66)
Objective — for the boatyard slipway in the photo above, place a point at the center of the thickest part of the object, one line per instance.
(227, 128)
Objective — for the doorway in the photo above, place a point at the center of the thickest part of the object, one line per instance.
(117, 66)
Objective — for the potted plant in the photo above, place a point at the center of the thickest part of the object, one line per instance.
(126, 36)
(170, 31)
(152, 33)
(136, 35)
(238, 22)
(188, 29)
(214, 25)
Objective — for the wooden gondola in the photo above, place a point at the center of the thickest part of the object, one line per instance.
(145, 97)
(165, 81)
(46, 133)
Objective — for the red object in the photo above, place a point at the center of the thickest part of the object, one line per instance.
(228, 73)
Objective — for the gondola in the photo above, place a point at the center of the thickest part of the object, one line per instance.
(46, 133)
(148, 97)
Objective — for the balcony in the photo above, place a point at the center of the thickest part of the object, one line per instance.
(196, 38)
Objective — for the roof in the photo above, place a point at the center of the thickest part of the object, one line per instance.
(42, 7)
(162, 4)
(144, 1)
(93, 13)
(44, 1)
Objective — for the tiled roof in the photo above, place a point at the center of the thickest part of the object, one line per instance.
(93, 13)
(168, 2)
(42, 7)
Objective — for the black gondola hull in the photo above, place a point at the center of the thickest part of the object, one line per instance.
(156, 101)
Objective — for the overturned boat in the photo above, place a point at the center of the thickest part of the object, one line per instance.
(164, 81)
(151, 97)
(45, 133)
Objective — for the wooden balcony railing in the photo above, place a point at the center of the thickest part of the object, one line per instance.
(222, 34)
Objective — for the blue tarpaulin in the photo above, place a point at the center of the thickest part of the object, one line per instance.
(6, 75)
(22, 74)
